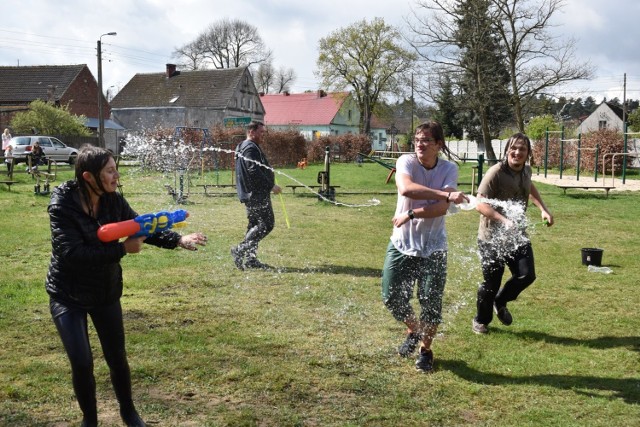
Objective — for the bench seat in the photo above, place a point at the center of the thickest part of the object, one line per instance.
(586, 187)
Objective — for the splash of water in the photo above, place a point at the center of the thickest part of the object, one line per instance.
(508, 238)
(168, 155)
(160, 154)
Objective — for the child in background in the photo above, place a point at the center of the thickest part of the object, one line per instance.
(8, 159)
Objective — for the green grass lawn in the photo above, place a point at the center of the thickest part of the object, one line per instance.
(310, 343)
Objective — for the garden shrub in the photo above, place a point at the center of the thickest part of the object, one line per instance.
(344, 148)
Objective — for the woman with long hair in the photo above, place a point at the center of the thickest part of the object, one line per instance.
(85, 277)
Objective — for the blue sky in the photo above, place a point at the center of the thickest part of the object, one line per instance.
(42, 32)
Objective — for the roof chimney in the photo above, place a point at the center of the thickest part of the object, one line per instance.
(171, 70)
(51, 90)
(321, 93)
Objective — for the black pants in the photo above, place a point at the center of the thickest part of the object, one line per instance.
(72, 327)
(521, 266)
(261, 223)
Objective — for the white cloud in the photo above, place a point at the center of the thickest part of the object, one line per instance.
(38, 32)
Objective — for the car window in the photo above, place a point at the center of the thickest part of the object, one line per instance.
(45, 142)
(57, 143)
(21, 140)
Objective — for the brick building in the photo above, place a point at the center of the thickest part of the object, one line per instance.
(71, 85)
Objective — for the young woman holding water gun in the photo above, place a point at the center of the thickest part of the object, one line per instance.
(85, 277)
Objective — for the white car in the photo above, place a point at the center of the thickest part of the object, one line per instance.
(53, 148)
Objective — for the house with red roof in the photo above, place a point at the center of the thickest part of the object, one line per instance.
(316, 114)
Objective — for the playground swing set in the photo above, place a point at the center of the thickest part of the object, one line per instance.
(603, 186)
(182, 182)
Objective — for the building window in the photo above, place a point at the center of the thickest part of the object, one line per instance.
(602, 124)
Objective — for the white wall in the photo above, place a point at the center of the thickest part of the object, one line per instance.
(470, 149)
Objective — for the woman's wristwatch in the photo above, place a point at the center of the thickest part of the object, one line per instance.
(411, 214)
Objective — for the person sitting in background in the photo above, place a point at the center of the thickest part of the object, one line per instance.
(37, 157)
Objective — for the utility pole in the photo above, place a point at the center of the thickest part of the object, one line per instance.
(624, 103)
(411, 125)
(100, 96)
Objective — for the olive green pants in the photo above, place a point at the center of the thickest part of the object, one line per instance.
(401, 272)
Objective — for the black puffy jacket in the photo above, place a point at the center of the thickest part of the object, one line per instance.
(255, 178)
(85, 272)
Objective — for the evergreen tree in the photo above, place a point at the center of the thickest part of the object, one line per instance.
(485, 80)
(590, 105)
(447, 110)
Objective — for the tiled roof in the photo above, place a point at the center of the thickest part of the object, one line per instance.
(310, 108)
(24, 84)
(202, 88)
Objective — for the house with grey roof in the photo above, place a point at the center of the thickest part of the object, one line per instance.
(605, 116)
(200, 98)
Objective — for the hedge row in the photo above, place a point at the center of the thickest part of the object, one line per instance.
(282, 148)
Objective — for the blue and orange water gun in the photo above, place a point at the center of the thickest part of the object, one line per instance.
(143, 225)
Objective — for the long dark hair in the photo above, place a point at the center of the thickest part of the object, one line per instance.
(515, 138)
(91, 159)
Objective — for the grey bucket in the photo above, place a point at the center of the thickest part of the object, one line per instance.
(592, 256)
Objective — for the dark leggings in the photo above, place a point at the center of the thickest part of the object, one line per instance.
(523, 273)
(72, 327)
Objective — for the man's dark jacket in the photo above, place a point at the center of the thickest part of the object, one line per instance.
(254, 181)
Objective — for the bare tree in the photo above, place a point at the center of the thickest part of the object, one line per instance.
(265, 77)
(456, 39)
(190, 56)
(226, 44)
(284, 79)
(537, 60)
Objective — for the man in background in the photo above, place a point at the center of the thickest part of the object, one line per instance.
(255, 181)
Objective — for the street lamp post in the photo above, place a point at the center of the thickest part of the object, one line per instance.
(100, 115)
